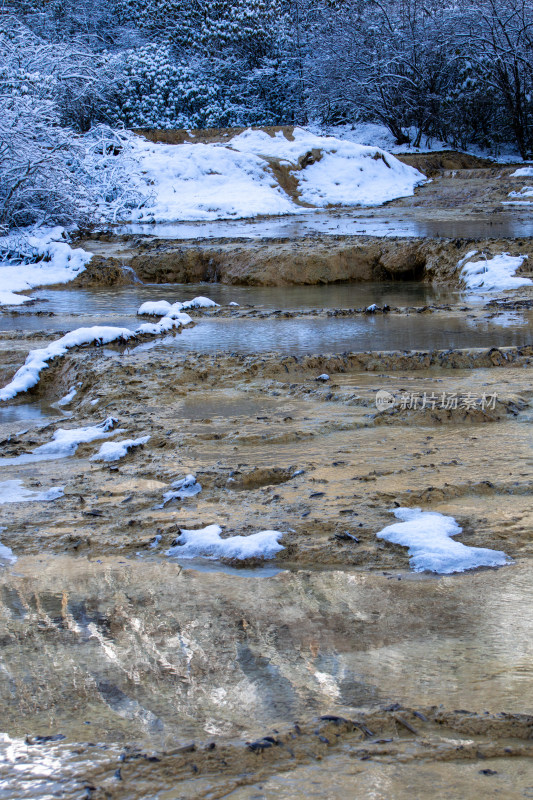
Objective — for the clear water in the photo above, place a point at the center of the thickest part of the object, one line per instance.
(26, 412)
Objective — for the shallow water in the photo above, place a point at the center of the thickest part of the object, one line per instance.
(345, 223)
(118, 303)
(118, 306)
(27, 412)
(147, 651)
(334, 335)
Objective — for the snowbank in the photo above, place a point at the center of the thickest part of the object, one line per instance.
(29, 374)
(235, 179)
(204, 182)
(207, 542)
(113, 451)
(495, 274)
(523, 172)
(427, 535)
(20, 269)
(14, 492)
(339, 172)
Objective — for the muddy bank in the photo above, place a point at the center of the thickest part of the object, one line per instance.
(275, 448)
(319, 260)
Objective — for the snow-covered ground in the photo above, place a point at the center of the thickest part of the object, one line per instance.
(235, 179)
(523, 172)
(37, 257)
(494, 274)
(428, 534)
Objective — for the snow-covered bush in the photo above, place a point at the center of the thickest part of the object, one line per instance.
(49, 172)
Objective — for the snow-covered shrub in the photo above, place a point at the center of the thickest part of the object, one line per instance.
(49, 172)
(155, 90)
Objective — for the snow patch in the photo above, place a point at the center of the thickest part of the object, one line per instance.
(173, 319)
(525, 191)
(495, 274)
(523, 172)
(37, 257)
(15, 492)
(162, 308)
(428, 534)
(207, 542)
(186, 487)
(235, 179)
(113, 451)
(155, 308)
(68, 398)
(199, 302)
(65, 442)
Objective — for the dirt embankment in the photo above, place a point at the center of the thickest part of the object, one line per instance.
(311, 260)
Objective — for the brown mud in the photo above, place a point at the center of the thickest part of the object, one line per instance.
(170, 682)
(272, 446)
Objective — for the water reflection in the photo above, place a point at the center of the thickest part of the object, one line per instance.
(125, 300)
(27, 412)
(149, 651)
(340, 223)
(339, 335)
